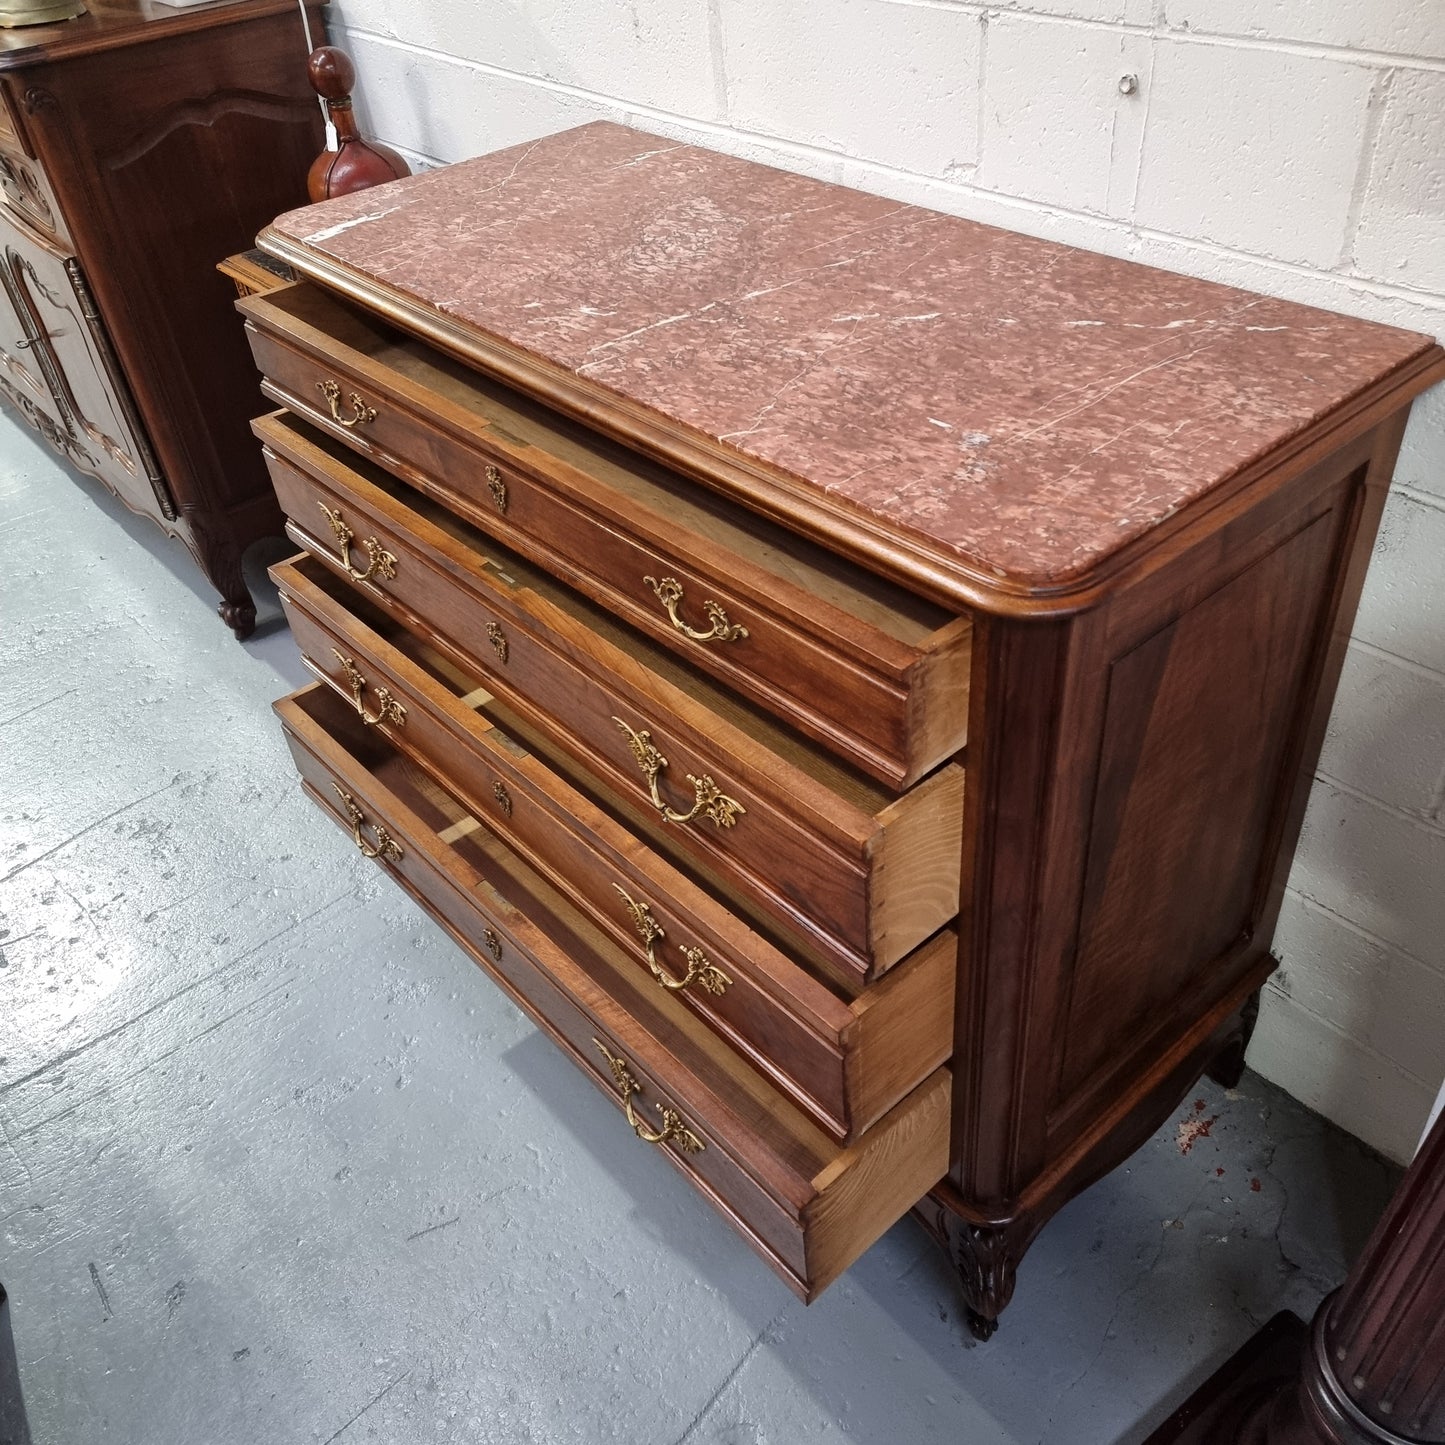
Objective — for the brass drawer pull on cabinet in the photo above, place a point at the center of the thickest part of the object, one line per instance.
(701, 970)
(674, 1127)
(388, 709)
(669, 593)
(360, 412)
(386, 847)
(709, 801)
(380, 562)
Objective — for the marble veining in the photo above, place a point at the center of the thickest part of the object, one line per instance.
(1025, 406)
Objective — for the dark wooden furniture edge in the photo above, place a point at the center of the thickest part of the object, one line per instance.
(66, 39)
(944, 576)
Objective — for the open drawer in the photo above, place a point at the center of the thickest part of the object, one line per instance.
(845, 1055)
(809, 1206)
(873, 672)
(850, 873)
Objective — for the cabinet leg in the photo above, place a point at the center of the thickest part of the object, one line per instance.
(220, 560)
(985, 1256)
(1227, 1069)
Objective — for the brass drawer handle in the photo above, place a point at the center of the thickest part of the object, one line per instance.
(492, 942)
(503, 797)
(380, 563)
(497, 486)
(701, 970)
(669, 593)
(386, 847)
(360, 412)
(674, 1127)
(498, 639)
(709, 801)
(388, 709)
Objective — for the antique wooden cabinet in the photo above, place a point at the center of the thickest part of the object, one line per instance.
(139, 145)
(851, 674)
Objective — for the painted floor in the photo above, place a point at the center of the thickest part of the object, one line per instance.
(278, 1164)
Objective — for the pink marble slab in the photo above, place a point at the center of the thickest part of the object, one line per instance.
(1024, 406)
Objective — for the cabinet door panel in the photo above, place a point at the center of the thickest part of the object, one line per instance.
(96, 415)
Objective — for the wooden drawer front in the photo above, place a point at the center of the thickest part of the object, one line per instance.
(875, 674)
(807, 1204)
(858, 877)
(845, 1060)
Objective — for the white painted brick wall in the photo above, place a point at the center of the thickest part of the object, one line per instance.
(1295, 147)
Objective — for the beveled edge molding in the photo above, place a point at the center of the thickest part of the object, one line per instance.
(944, 575)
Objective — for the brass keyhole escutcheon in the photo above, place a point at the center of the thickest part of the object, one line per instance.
(497, 486)
(503, 797)
(498, 639)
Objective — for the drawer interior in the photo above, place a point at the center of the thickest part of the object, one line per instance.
(838, 1199)
(471, 690)
(505, 568)
(907, 618)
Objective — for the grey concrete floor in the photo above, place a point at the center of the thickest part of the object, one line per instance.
(278, 1164)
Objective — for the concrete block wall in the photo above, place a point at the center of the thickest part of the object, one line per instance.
(1295, 147)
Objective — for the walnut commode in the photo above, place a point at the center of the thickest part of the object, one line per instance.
(852, 675)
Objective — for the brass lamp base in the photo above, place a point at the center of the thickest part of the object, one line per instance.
(14, 13)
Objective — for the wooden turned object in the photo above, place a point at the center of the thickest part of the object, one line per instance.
(357, 163)
(1371, 1369)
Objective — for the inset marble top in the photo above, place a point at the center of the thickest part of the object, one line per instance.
(1024, 407)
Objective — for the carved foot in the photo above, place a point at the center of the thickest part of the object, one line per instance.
(240, 617)
(984, 1256)
(1228, 1066)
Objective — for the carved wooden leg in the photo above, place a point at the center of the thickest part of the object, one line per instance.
(1372, 1369)
(1228, 1066)
(985, 1256)
(220, 560)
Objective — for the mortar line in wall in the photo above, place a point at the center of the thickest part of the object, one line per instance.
(411, 154)
(1383, 290)
(717, 43)
(1418, 820)
(1375, 105)
(1430, 674)
(1351, 1039)
(1361, 932)
(1425, 499)
(1317, 49)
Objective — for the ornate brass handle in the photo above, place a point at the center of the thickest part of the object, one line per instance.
(709, 801)
(669, 593)
(388, 709)
(386, 847)
(360, 412)
(380, 562)
(674, 1127)
(701, 970)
